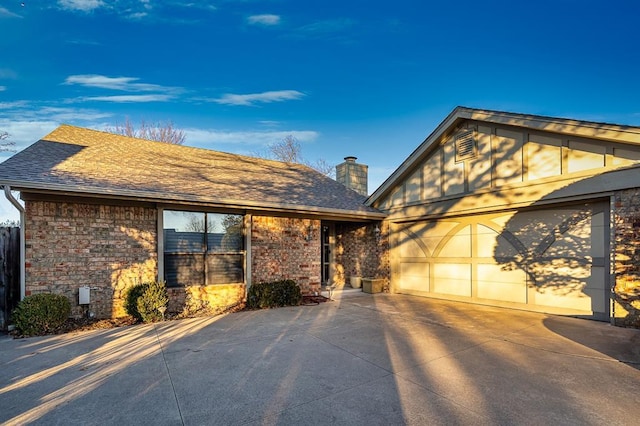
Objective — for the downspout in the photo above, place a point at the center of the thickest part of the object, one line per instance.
(20, 207)
(248, 225)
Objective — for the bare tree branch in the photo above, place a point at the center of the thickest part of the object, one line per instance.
(6, 145)
(287, 150)
(158, 131)
(323, 167)
(290, 151)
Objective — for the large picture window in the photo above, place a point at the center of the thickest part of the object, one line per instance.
(202, 248)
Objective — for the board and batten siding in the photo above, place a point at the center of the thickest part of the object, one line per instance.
(505, 158)
(523, 220)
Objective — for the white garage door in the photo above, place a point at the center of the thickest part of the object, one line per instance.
(550, 260)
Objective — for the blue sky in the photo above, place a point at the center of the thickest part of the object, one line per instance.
(364, 78)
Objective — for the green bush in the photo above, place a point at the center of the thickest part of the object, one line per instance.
(131, 300)
(144, 300)
(273, 294)
(41, 313)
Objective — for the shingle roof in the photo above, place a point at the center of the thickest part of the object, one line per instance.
(89, 162)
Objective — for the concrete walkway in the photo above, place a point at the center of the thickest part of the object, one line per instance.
(362, 359)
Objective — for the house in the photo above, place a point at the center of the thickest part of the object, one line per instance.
(108, 211)
(522, 211)
(495, 208)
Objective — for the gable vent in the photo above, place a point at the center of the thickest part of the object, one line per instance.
(466, 145)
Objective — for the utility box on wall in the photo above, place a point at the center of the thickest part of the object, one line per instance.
(84, 295)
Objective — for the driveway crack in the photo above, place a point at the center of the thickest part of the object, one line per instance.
(166, 366)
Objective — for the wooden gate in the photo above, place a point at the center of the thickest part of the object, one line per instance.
(9, 272)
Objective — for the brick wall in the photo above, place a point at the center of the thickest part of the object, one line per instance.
(108, 248)
(626, 243)
(111, 248)
(280, 250)
(359, 252)
(205, 299)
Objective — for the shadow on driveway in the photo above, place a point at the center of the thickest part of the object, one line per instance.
(383, 359)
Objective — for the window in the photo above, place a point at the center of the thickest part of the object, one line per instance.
(202, 248)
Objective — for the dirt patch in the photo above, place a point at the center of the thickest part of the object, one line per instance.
(313, 300)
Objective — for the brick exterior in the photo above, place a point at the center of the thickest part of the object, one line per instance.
(280, 250)
(109, 248)
(626, 242)
(205, 299)
(359, 252)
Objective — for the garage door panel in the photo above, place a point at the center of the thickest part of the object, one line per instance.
(598, 301)
(452, 278)
(530, 228)
(457, 245)
(575, 242)
(598, 228)
(566, 300)
(414, 276)
(410, 248)
(495, 282)
(431, 234)
(559, 277)
(491, 244)
(554, 257)
(597, 280)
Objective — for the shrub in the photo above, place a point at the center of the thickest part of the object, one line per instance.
(273, 294)
(131, 300)
(144, 300)
(41, 313)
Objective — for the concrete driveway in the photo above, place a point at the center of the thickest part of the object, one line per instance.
(383, 359)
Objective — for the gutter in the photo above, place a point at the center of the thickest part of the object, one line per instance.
(171, 198)
(20, 207)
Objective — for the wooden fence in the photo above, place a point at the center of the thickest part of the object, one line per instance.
(9, 272)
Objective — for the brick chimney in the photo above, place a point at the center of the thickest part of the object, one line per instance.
(353, 175)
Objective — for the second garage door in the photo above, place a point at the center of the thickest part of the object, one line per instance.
(550, 260)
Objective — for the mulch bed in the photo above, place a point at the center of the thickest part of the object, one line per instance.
(88, 324)
(313, 300)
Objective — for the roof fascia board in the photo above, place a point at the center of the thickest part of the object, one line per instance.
(221, 203)
(591, 130)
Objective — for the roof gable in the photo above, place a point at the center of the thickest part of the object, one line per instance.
(89, 162)
(500, 143)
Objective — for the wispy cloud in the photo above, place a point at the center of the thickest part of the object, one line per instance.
(84, 42)
(6, 13)
(27, 122)
(269, 123)
(126, 84)
(73, 114)
(40, 111)
(81, 5)
(212, 137)
(3, 88)
(255, 98)
(198, 5)
(25, 132)
(6, 73)
(267, 19)
(327, 26)
(339, 30)
(14, 104)
(129, 98)
(137, 15)
(122, 84)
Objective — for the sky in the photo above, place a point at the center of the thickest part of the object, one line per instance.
(371, 79)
